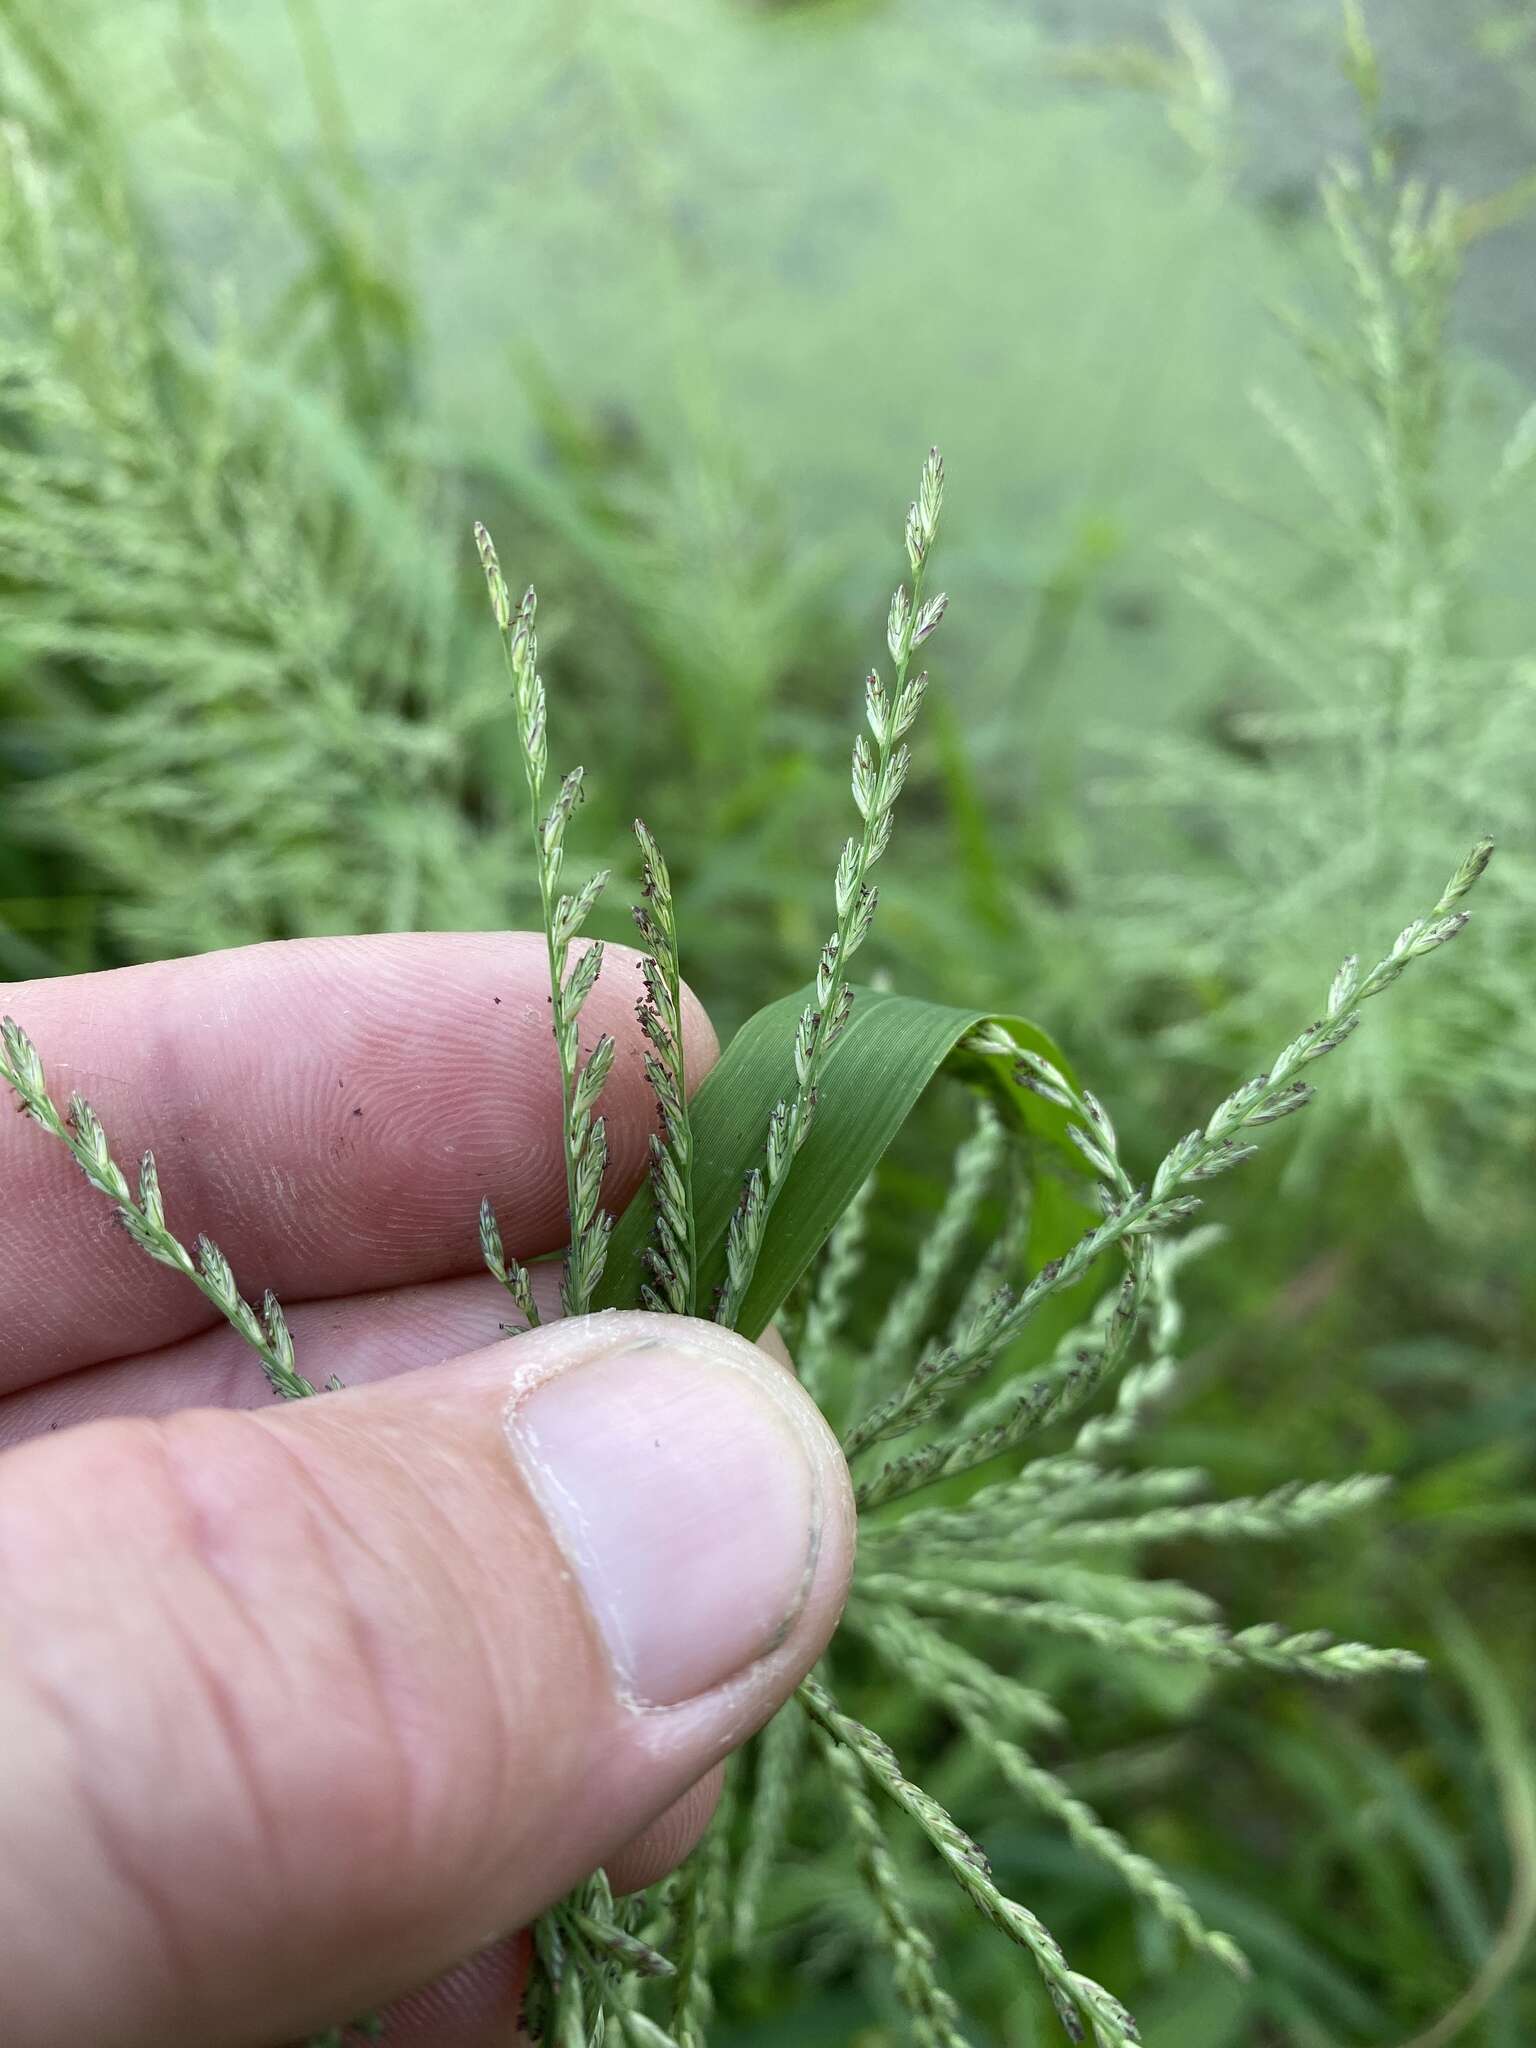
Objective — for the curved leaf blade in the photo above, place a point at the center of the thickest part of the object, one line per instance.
(891, 1050)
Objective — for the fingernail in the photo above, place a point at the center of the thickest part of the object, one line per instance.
(681, 1488)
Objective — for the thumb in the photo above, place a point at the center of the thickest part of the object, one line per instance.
(311, 1703)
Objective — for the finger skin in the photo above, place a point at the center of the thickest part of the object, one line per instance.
(365, 1338)
(368, 1338)
(309, 1706)
(657, 1850)
(477, 2004)
(329, 1111)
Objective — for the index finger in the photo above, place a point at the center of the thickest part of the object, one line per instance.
(329, 1111)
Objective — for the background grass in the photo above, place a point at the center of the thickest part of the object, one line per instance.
(674, 293)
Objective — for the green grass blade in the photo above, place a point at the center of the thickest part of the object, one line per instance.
(892, 1049)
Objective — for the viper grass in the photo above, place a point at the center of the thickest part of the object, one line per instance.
(976, 1548)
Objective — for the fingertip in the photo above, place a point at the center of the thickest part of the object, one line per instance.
(698, 1494)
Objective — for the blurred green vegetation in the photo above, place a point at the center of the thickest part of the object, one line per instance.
(674, 293)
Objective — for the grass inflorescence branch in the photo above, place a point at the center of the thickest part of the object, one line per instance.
(570, 982)
(142, 1214)
(673, 1257)
(994, 1710)
(914, 1961)
(1311, 1653)
(880, 763)
(1079, 2001)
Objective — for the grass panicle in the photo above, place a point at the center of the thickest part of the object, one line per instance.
(1386, 719)
(827, 1303)
(1309, 1653)
(242, 703)
(512, 1275)
(779, 1758)
(974, 1167)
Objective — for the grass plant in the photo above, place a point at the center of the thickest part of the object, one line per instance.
(246, 692)
(1013, 1560)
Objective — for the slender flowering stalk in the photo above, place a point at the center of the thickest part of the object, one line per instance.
(914, 1960)
(589, 1967)
(1079, 2001)
(673, 1258)
(1117, 1594)
(1312, 1653)
(1004, 1257)
(1002, 1519)
(974, 1166)
(1051, 1552)
(999, 1421)
(917, 1651)
(1287, 1511)
(1147, 1385)
(1094, 1135)
(780, 1763)
(1044, 1790)
(827, 1308)
(581, 1082)
(577, 1965)
(880, 763)
(143, 1215)
(698, 1903)
(993, 1710)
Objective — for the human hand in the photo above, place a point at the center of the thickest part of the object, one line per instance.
(301, 1707)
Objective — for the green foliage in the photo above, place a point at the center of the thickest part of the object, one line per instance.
(1372, 725)
(591, 1964)
(890, 1051)
(244, 692)
(225, 590)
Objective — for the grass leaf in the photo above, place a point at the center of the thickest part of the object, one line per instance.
(892, 1049)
